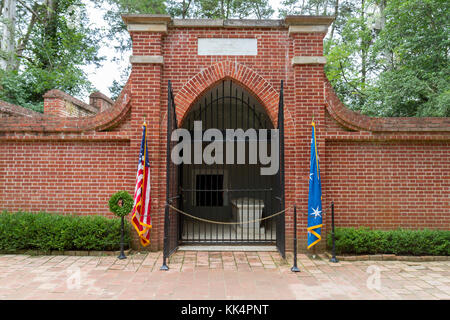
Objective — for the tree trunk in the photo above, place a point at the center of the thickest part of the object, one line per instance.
(363, 47)
(8, 34)
(185, 8)
(23, 42)
(336, 12)
(50, 29)
(388, 53)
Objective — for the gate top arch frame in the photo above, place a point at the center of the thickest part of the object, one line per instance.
(255, 84)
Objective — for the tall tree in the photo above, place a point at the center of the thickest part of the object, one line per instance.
(50, 49)
(414, 54)
(352, 62)
(7, 45)
(212, 9)
(386, 57)
(232, 9)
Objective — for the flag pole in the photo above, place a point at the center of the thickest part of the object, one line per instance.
(295, 267)
(122, 254)
(333, 257)
(314, 255)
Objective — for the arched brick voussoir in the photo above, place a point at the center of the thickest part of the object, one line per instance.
(356, 121)
(207, 78)
(52, 124)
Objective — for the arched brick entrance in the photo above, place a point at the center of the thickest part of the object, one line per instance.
(264, 95)
(241, 74)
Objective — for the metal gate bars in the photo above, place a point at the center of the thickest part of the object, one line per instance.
(171, 221)
(221, 198)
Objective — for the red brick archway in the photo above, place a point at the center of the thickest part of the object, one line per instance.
(249, 79)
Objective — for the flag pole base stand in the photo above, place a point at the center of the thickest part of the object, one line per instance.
(122, 256)
(334, 260)
(314, 256)
(164, 267)
(295, 269)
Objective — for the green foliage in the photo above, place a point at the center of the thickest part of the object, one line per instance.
(386, 58)
(231, 9)
(43, 231)
(212, 9)
(414, 49)
(115, 8)
(13, 89)
(401, 241)
(52, 46)
(127, 203)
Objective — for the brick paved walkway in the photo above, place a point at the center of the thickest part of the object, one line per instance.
(218, 275)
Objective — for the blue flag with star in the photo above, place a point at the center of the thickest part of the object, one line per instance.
(315, 195)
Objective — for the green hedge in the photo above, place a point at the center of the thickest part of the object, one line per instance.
(43, 231)
(400, 241)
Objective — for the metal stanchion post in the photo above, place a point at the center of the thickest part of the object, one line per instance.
(164, 266)
(122, 254)
(333, 252)
(295, 268)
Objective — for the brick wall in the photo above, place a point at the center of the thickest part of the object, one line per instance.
(63, 176)
(384, 173)
(11, 110)
(387, 185)
(100, 101)
(61, 104)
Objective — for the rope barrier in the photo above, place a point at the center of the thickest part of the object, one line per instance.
(232, 223)
(236, 223)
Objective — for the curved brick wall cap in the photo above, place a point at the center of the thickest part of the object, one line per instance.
(98, 94)
(17, 111)
(206, 79)
(55, 93)
(48, 123)
(356, 121)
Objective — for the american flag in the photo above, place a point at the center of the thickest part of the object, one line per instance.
(141, 219)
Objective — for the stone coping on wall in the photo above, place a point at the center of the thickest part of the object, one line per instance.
(388, 257)
(61, 136)
(55, 93)
(95, 253)
(47, 126)
(147, 59)
(132, 20)
(438, 127)
(13, 110)
(99, 95)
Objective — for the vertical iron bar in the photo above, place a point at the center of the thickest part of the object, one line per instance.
(166, 211)
(333, 252)
(223, 154)
(281, 218)
(295, 268)
(122, 254)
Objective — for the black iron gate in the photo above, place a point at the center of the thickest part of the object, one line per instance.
(279, 183)
(173, 196)
(223, 197)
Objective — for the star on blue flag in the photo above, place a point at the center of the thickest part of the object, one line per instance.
(315, 195)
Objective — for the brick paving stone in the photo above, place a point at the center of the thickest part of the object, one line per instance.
(217, 275)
